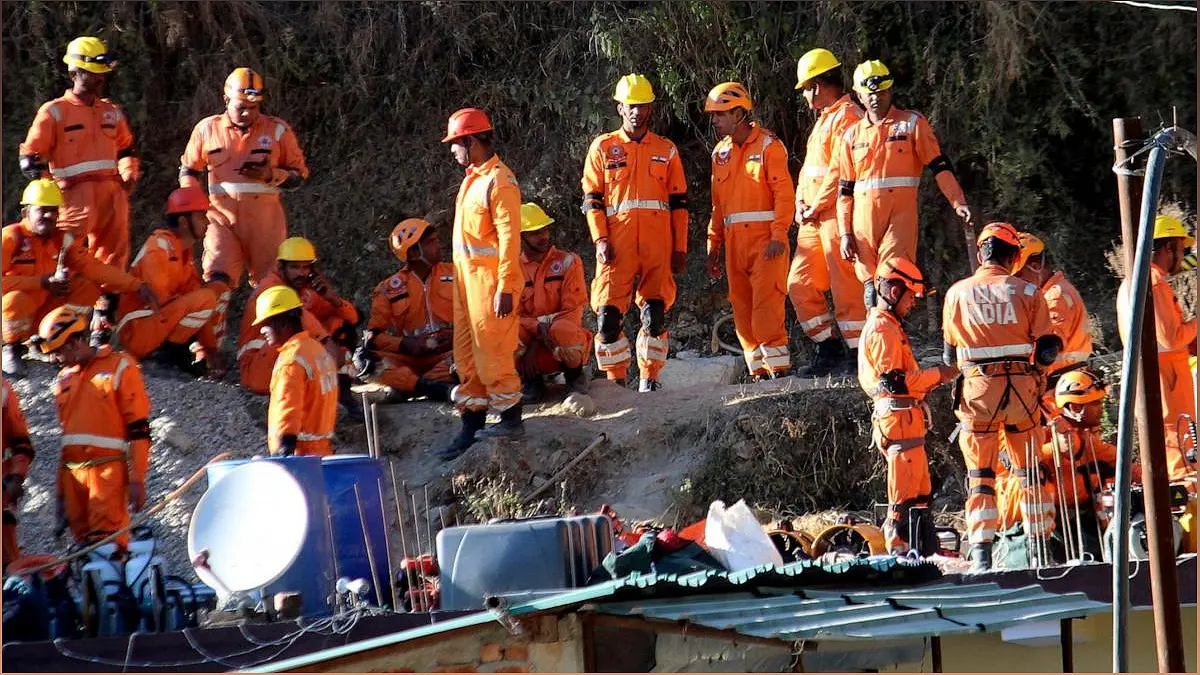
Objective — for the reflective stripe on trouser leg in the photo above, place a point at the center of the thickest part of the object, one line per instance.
(819, 328)
(807, 281)
(19, 315)
(754, 361)
(613, 357)
(844, 286)
(979, 452)
(775, 359)
(220, 317)
(651, 354)
(851, 330)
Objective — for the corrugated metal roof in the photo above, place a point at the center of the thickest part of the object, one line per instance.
(848, 614)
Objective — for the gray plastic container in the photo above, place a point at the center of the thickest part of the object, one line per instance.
(537, 554)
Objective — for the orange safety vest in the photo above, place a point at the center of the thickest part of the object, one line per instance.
(628, 183)
(222, 147)
(1068, 317)
(818, 180)
(409, 307)
(487, 226)
(993, 315)
(303, 399)
(554, 288)
(751, 186)
(82, 142)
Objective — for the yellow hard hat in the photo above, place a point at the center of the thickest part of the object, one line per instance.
(872, 76)
(1079, 386)
(1030, 246)
(42, 192)
(244, 84)
(275, 300)
(90, 54)
(813, 63)
(406, 235)
(57, 327)
(533, 217)
(634, 89)
(296, 249)
(1166, 227)
(727, 96)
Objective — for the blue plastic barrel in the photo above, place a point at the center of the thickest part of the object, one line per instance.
(342, 473)
(312, 573)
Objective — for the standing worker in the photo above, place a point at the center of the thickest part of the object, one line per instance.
(752, 209)
(104, 413)
(18, 455)
(166, 264)
(1176, 337)
(551, 337)
(488, 283)
(85, 143)
(250, 158)
(888, 372)
(409, 342)
(817, 265)
(303, 406)
(635, 200)
(997, 331)
(879, 165)
(45, 267)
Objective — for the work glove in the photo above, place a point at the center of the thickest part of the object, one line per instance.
(32, 166)
(58, 286)
(365, 362)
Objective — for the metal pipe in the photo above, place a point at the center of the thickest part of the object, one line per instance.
(337, 571)
(367, 423)
(403, 543)
(429, 525)
(1075, 493)
(419, 567)
(387, 545)
(362, 519)
(1061, 494)
(375, 430)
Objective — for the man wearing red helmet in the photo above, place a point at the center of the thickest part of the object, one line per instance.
(997, 331)
(409, 341)
(183, 331)
(488, 282)
(889, 373)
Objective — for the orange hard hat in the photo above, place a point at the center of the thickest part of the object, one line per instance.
(466, 122)
(406, 235)
(1079, 386)
(57, 327)
(1005, 232)
(187, 200)
(903, 270)
(244, 84)
(727, 96)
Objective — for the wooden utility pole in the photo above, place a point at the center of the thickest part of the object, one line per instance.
(1164, 585)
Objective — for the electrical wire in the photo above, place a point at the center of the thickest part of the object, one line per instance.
(1150, 5)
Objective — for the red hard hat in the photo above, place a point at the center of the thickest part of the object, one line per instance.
(466, 122)
(187, 200)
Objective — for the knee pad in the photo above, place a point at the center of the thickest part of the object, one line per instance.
(608, 324)
(654, 317)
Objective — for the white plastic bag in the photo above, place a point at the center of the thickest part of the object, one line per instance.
(735, 537)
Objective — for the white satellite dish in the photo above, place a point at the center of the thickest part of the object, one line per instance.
(253, 523)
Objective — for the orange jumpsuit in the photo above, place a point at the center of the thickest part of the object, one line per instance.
(1069, 319)
(246, 218)
(90, 151)
(879, 170)
(753, 204)
(27, 258)
(409, 307)
(818, 265)
(635, 195)
(898, 424)
(321, 318)
(104, 410)
(303, 397)
(1083, 455)
(1176, 338)
(551, 310)
(18, 454)
(992, 319)
(487, 260)
(188, 306)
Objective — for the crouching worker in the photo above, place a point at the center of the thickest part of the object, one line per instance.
(409, 342)
(184, 331)
(888, 372)
(18, 455)
(304, 399)
(552, 338)
(104, 411)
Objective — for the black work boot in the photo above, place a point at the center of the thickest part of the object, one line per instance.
(509, 427)
(981, 557)
(434, 391)
(346, 397)
(14, 367)
(533, 389)
(577, 379)
(826, 358)
(472, 422)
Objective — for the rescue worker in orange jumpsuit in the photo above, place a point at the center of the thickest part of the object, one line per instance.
(184, 330)
(1068, 315)
(45, 267)
(997, 331)
(488, 283)
(888, 372)
(104, 412)
(879, 165)
(327, 317)
(250, 158)
(18, 455)
(1176, 337)
(551, 336)
(303, 407)
(635, 200)
(753, 205)
(409, 342)
(817, 264)
(85, 144)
